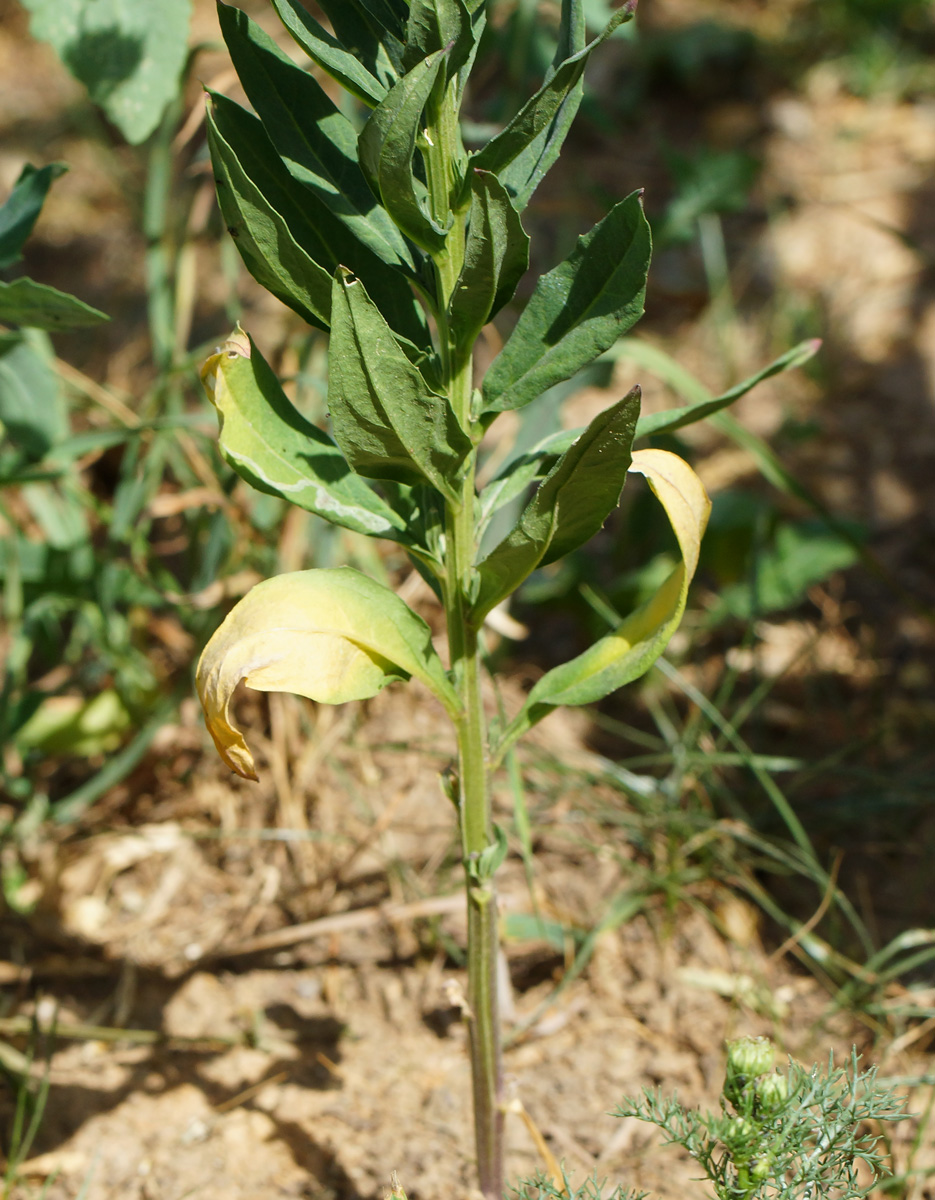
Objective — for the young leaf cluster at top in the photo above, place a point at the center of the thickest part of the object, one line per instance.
(404, 246)
(783, 1135)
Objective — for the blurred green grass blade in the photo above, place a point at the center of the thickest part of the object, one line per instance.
(622, 908)
(781, 804)
(22, 207)
(775, 795)
(767, 462)
(522, 470)
(528, 927)
(522, 824)
(59, 514)
(703, 403)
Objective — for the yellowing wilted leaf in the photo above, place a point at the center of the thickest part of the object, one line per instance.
(330, 635)
(681, 493)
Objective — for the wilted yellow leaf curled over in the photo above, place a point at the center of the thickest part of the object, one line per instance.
(682, 494)
(331, 635)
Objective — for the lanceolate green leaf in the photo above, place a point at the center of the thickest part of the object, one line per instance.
(271, 445)
(373, 29)
(634, 646)
(22, 207)
(387, 145)
(348, 66)
(521, 153)
(286, 234)
(383, 20)
(577, 311)
(317, 143)
(385, 418)
(26, 303)
(435, 24)
(523, 175)
(262, 218)
(570, 505)
(496, 256)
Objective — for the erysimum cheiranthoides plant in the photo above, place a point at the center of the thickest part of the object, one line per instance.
(403, 246)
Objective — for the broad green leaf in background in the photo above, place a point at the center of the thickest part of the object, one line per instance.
(435, 24)
(522, 153)
(800, 555)
(330, 635)
(569, 507)
(708, 181)
(368, 77)
(634, 646)
(496, 256)
(38, 306)
(74, 725)
(576, 311)
(288, 236)
(385, 418)
(32, 407)
(270, 444)
(129, 54)
(387, 145)
(59, 514)
(317, 143)
(18, 214)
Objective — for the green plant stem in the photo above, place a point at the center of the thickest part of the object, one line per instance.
(442, 154)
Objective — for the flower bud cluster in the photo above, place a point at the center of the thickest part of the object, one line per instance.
(757, 1094)
(751, 1086)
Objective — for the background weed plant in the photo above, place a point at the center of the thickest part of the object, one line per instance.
(779, 1134)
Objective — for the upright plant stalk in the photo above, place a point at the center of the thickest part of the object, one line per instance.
(444, 156)
(348, 226)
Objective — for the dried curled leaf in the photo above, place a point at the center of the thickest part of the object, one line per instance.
(330, 635)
